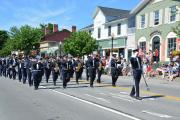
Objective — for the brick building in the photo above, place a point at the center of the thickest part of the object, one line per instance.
(52, 42)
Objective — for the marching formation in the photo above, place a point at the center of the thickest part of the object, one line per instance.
(32, 70)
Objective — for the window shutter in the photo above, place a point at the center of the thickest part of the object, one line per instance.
(151, 19)
(178, 13)
(166, 15)
(161, 16)
(138, 22)
(146, 20)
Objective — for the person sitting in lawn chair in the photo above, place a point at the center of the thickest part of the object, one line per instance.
(175, 71)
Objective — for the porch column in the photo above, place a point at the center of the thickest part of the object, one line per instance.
(163, 51)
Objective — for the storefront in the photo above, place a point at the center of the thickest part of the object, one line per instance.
(119, 45)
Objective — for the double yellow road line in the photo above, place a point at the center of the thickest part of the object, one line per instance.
(142, 91)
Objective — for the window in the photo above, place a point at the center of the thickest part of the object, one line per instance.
(99, 32)
(172, 13)
(156, 17)
(129, 53)
(171, 45)
(142, 21)
(109, 30)
(119, 29)
(142, 45)
(90, 32)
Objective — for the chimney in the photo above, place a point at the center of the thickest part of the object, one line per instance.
(73, 28)
(55, 27)
(47, 31)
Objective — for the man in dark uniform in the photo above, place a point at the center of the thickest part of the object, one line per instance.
(4, 64)
(20, 69)
(37, 71)
(99, 69)
(87, 68)
(71, 62)
(28, 71)
(24, 72)
(65, 71)
(137, 71)
(59, 61)
(55, 70)
(12, 65)
(82, 68)
(77, 68)
(9, 67)
(92, 70)
(114, 70)
(47, 69)
(1, 67)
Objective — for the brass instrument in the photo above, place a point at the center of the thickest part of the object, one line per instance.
(78, 67)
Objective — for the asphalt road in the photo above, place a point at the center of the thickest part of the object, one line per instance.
(80, 102)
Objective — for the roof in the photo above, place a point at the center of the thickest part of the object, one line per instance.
(57, 36)
(89, 26)
(113, 12)
(139, 6)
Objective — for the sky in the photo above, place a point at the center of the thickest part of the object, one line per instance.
(65, 13)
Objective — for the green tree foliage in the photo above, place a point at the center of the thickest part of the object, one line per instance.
(22, 39)
(3, 37)
(80, 43)
(177, 30)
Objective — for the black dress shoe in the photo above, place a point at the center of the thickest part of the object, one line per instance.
(132, 96)
(138, 98)
(35, 88)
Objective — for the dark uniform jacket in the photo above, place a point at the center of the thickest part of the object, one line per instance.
(114, 70)
(134, 63)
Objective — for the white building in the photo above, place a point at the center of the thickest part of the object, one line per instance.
(111, 23)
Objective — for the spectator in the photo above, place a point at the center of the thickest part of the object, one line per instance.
(175, 71)
(156, 55)
(150, 56)
(163, 70)
(125, 68)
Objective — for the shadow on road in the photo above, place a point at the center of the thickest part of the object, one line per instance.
(60, 87)
(154, 96)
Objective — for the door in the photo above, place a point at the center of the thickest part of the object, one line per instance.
(121, 52)
(156, 44)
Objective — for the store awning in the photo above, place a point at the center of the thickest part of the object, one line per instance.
(117, 43)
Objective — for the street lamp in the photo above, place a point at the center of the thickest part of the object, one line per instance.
(60, 47)
(112, 35)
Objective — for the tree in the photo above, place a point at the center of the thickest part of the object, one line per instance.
(80, 44)
(28, 37)
(22, 39)
(3, 37)
(177, 30)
